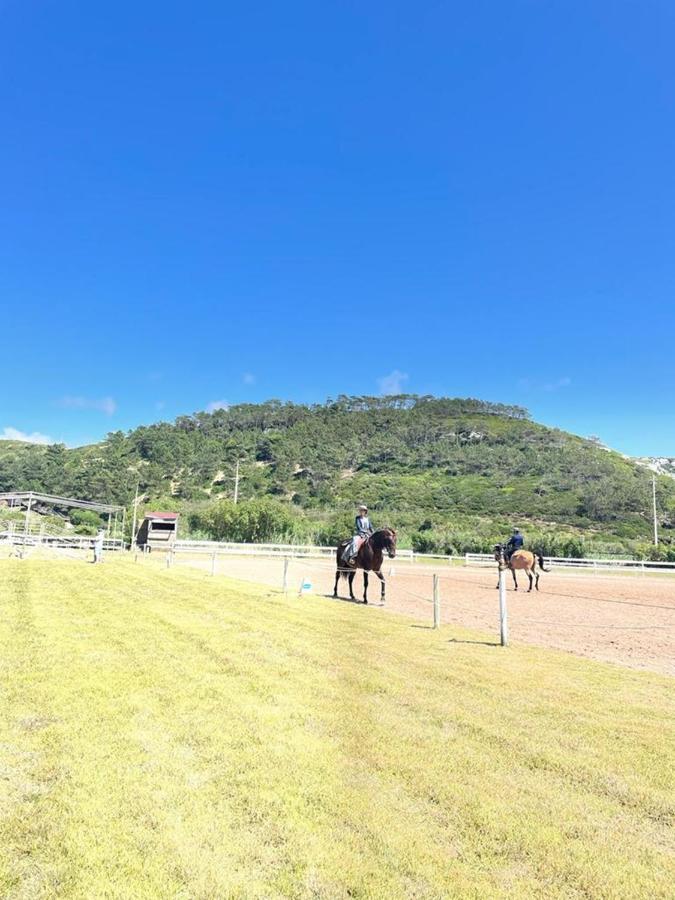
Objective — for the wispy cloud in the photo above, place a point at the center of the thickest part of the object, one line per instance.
(217, 404)
(33, 437)
(105, 404)
(555, 385)
(564, 382)
(248, 378)
(393, 382)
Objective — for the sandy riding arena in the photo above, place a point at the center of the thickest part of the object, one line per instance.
(627, 619)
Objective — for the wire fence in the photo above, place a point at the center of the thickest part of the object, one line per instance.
(594, 623)
(613, 618)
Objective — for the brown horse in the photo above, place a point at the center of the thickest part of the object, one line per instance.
(521, 559)
(369, 558)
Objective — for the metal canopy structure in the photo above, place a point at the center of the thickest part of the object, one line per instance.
(116, 514)
(31, 497)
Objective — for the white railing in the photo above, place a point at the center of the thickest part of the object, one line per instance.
(409, 556)
(33, 538)
(291, 550)
(637, 565)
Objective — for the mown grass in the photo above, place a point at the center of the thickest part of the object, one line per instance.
(168, 734)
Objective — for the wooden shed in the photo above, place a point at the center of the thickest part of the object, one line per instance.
(158, 531)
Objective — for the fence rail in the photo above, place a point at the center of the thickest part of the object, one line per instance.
(290, 550)
(636, 565)
(36, 538)
(468, 559)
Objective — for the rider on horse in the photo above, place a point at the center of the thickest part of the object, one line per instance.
(515, 542)
(363, 528)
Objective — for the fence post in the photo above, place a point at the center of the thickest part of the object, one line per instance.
(213, 563)
(284, 582)
(466, 559)
(503, 615)
(437, 604)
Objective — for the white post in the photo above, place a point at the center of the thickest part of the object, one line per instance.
(213, 563)
(656, 524)
(437, 604)
(284, 582)
(27, 519)
(236, 483)
(503, 616)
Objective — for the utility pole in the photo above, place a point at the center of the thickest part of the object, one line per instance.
(236, 484)
(656, 524)
(133, 525)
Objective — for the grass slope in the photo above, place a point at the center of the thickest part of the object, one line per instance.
(167, 734)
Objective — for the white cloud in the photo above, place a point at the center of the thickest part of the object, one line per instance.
(555, 385)
(105, 405)
(393, 382)
(558, 383)
(217, 404)
(248, 378)
(34, 437)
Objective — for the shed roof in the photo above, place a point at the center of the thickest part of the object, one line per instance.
(161, 515)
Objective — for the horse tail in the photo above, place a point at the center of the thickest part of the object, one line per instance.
(541, 562)
(343, 571)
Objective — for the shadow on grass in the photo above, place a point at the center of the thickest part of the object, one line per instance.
(460, 640)
(350, 600)
(480, 643)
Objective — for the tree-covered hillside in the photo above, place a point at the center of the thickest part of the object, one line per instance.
(450, 473)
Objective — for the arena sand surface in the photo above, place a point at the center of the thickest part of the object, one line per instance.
(627, 619)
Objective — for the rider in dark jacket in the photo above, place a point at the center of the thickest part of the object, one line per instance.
(363, 528)
(362, 524)
(515, 542)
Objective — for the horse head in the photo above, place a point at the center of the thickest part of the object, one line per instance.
(385, 539)
(499, 553)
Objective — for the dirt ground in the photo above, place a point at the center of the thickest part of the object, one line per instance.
(627, 619)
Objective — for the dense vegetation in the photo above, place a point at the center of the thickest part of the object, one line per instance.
(451, 474)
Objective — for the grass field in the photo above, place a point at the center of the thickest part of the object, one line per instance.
(167, 734)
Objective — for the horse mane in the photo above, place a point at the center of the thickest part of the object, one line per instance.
(378, 537)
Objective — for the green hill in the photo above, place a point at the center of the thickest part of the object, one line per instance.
(451, 474)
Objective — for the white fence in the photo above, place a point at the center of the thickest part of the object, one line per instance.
(409, 556)
(307, 551)
(635, 565)
(35, 536)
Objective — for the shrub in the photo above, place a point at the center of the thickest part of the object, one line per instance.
(85, 521)
(254, 521)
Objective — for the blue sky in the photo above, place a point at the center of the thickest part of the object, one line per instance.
(221, 202)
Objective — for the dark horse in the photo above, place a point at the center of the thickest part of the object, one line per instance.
(521, 559)
(369, 558)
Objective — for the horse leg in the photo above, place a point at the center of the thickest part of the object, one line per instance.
(536, 580)
(515, 580)
(351, 582)
(529, 575)
(337, 579)
(381, 577)
(365, 587)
